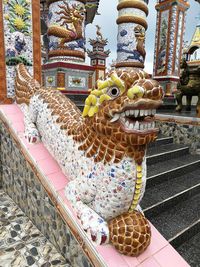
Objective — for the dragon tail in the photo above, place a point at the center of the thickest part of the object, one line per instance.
(25, 85)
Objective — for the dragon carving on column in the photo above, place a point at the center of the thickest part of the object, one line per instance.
(140, 39)
(101, 150)
(72, 18)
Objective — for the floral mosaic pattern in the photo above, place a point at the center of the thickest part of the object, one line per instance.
(19, 16)
(161, 59)
(18, 22)
(18, 37)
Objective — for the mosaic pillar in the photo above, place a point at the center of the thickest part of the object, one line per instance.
(132, 27)
(66, 30)
(20, 42)
(169, 42)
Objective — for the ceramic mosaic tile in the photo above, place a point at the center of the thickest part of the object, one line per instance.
(22, 185)
(21, 243)
(182, 133)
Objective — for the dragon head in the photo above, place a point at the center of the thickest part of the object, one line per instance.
(71, 14)
(139, 31)
(123, 107)
(78, 13)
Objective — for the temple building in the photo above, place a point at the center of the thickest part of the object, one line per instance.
(64, 41)
(98, 55)
(193, 53)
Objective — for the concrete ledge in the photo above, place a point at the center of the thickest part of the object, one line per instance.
(159, 254)
(177, 119)
(183, 130)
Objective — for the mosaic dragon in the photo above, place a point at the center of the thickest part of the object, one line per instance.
(73, 16)
(101, 150)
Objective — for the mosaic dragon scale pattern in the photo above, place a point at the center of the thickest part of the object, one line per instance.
(102, 150)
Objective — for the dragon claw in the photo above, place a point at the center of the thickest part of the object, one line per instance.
(32, 137)
(95, 227)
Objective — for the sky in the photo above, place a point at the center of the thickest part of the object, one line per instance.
(107, 21)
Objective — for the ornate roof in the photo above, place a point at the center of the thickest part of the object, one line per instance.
(195, 42)
(91, 9)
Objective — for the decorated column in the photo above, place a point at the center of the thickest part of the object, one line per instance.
(20, 42)
(169, 40)
(66, 30)
(132, 26)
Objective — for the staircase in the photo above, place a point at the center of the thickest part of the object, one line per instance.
(78, 99)
(172, 198)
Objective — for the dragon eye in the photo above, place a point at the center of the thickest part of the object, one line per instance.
(113, 92)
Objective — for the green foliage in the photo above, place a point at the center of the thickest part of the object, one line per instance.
(13, 61)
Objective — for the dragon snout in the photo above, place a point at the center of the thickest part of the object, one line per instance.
(135, 91)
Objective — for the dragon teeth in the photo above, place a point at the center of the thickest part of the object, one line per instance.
(141, 112)
(153, 111)
(136, 127)
(127, 123)
(115, 118)
(137, 113)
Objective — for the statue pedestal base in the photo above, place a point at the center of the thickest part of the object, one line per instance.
(70, 78)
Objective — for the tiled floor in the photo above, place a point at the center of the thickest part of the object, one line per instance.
(21, 243)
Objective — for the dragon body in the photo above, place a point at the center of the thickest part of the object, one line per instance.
(101, 150)
(73, 16)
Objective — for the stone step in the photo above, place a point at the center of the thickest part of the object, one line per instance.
(162, 194)
(21, 243)
(78, 99)
(161, 140)
(185, 235)
(190, 245)
(176, 213)
(165, 152)
(170, 169)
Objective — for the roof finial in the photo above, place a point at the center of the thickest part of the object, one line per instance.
(98, 32)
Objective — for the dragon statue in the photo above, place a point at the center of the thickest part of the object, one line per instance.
(101, 150)
(73, 15)
(189, 86)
